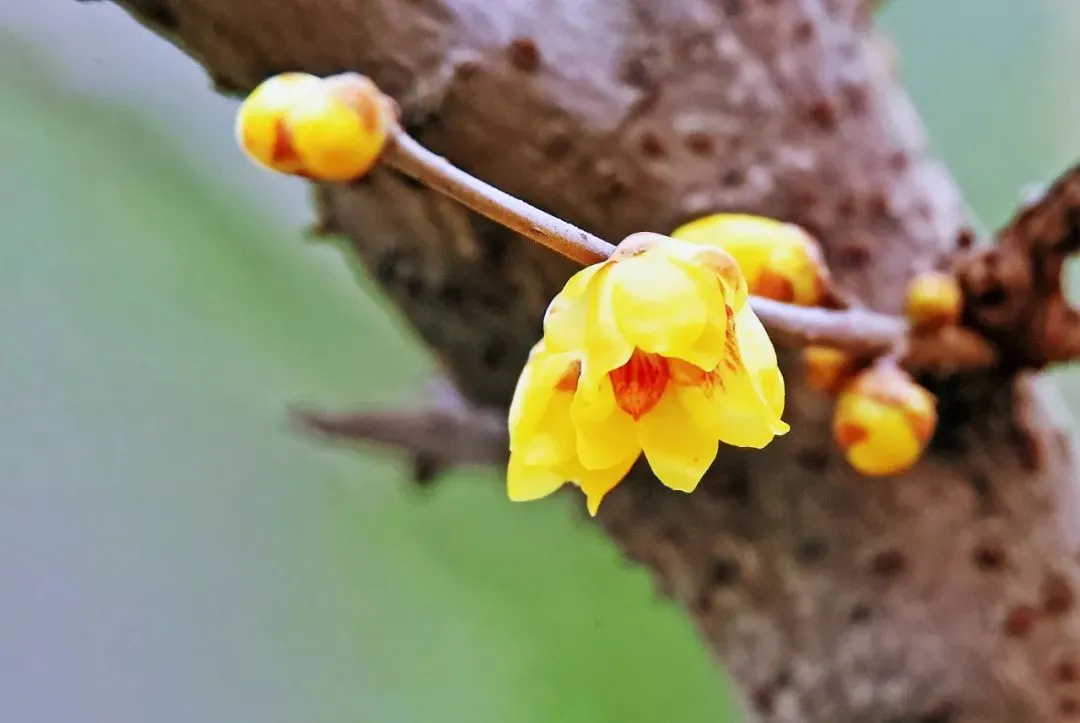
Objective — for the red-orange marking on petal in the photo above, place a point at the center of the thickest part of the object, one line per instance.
(640, 382)
(686, 374)
(732, 358)
(568, 382)
(774, 286)
(849, 434)
(283, 152)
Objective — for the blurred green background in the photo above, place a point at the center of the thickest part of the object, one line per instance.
(170, 552)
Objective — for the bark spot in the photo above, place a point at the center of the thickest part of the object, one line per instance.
(989, 557)
(1066, 672)
(889, 564)
(860, 613)
(732, 178)
(524, 55)
(803, 31)
(494, 353)
(414, 287)
(1069, 706)
(451, 295)
(811, 551)
(813, 460)
(852, 256)
(699, 143)
(822, 115)
(965, 238)
(723, 572)
(1019, 621)
(856, 98)
(651, 145)
(558, 146)
(845, 210)
(1057, 595)
(899, 161)
(878, 206)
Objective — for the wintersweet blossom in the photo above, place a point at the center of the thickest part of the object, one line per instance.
(654, 351)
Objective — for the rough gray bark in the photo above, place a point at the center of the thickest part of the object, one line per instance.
(945, 594)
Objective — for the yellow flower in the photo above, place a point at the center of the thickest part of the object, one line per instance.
(328, 129)
(883, 421)
(934, 299)
(780, 260)
(667, 359)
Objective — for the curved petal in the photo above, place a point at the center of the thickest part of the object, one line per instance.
(565, 318)
(679, 453)
(607, 443)
(525, 483)
(658, 306)
(535, 389)
(597, 483)
(604, 347)
(554, 440)
(753, 387)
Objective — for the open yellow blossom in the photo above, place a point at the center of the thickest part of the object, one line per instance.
(652, 351)
(780, 260)
(883, 421)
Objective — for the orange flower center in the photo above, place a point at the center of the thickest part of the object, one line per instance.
(640, 382)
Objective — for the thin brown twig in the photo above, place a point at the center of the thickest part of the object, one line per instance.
(856, 331)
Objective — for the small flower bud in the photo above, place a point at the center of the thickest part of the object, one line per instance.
(260, 122)
(331, 129)
(780, 260)
(883, 421)
(934, 300)
(340, 133)
(827, 370)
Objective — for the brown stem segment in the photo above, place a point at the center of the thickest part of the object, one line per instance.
(435, 172)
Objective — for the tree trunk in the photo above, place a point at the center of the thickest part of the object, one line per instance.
(944, 594)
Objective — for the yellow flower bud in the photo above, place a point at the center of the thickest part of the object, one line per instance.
(934, 299)
(780, 260)
(883, 421)
(827, 369)
(260, 121)
(340, 133)
(331, 129)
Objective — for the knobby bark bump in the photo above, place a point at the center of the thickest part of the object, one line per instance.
(942, 594)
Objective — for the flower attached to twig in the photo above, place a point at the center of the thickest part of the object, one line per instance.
(780, 260)
(654, 351)
(883, 421)
(326, 129)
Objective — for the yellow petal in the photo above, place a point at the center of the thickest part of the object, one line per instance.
(565, 318)
(597, 483)
(748, 238)
(535, 390)
(553, 442)
(605, 346)
(678, 451)
(607, 443)
(753, 387)
(657, 305)
(525, 483)
(712, 263)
